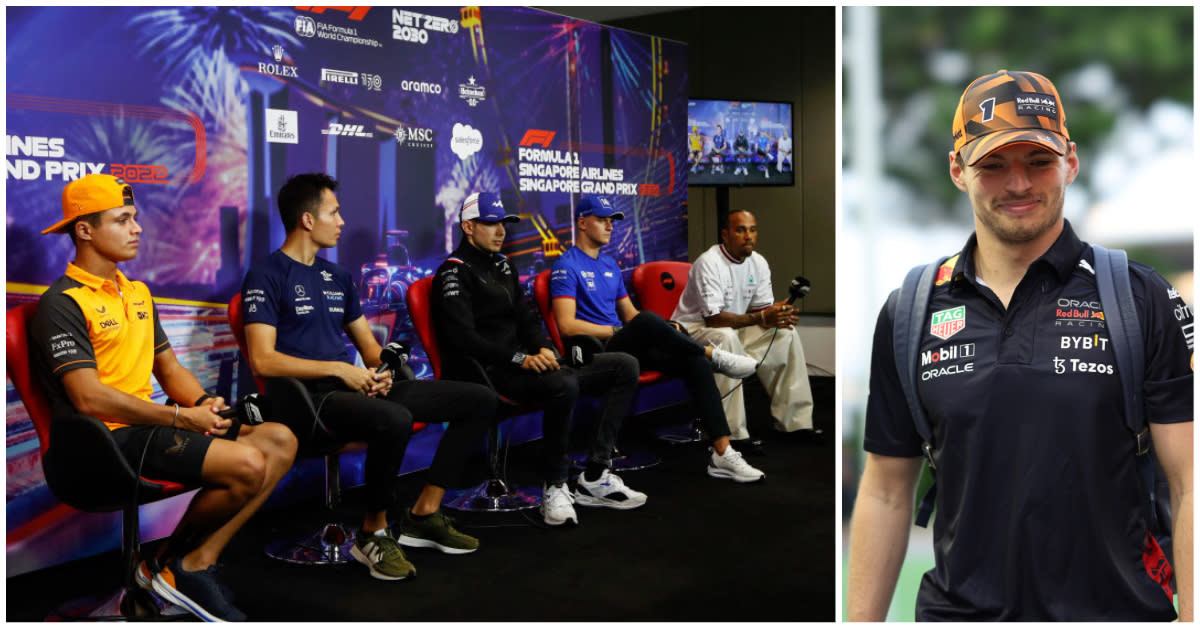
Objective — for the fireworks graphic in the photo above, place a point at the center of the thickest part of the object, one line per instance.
(181, 37)
(466, 177)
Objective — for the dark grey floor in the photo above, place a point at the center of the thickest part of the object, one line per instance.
(700, 550)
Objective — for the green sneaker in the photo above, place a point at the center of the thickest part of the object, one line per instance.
(437, 531)
(382, 555)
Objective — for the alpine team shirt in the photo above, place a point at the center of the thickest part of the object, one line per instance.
(1040, 509)
(595, 284)
(309, 306)
(719, 283)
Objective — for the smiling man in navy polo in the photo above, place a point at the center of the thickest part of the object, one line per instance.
(1041, 513)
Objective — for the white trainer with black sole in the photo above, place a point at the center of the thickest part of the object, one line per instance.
(608, 491)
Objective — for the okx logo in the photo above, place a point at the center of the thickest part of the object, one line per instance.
(346, 130)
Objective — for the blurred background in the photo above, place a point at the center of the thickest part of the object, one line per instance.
(1126, 81)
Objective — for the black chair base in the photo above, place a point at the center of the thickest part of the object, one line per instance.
(493, 496)
(132, 603)
(328, 546)
(682, 434)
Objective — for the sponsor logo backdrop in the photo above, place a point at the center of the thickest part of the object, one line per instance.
(207, 110)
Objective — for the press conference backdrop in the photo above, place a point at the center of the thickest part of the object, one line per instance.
(206, 111)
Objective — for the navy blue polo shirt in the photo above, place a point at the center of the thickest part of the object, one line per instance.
(1040, 511)
(595, 284)
(309, 306)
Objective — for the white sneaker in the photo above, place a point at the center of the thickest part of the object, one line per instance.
(557, 505)
(732, 466)
(734, 365)
(608, 490)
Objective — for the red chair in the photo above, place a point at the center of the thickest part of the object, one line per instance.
(658, 286)
(493, 494)
(621, 461)
(331, 543)
(85, 470)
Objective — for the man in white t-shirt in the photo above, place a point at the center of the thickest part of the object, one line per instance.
(728, 303)
(784, 153)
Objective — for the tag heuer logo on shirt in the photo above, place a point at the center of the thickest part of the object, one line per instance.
(946, 323)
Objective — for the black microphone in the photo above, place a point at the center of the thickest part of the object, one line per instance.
(394, 359)
(250, 410)
(798, 288)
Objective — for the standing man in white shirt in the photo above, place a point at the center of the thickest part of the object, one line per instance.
(728, 303)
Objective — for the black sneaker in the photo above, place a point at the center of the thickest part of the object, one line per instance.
(197, 591)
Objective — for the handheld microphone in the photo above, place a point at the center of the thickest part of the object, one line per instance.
(394, 359)
(250, 410)
(798, 288)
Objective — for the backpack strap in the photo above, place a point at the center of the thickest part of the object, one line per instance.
(909, 308)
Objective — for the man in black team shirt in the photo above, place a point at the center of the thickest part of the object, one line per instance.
(481, 314)
(1040, 508)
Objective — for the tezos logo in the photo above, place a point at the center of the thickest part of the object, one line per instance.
(278, 68)
(472, 92)
(282, 126)
(465, 141)
(415, 137)
(414, 27)
(305, 26)
(346, 130)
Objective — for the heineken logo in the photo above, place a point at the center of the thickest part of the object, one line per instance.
(946, 323)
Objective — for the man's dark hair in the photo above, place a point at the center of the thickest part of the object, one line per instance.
(725, 225)
(302, 193)
(92, 219)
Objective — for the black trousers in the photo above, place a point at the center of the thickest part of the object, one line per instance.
(386, 425)
(660, 347)
(611, 375)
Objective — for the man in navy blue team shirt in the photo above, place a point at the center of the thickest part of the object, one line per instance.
(483, 317)
(296, 307)
(1040, 510)
(589, 299)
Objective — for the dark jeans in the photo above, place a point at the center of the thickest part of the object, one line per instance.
(386, 425)
(660, 347)
(611, 375)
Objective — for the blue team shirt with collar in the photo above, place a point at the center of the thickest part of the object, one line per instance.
(309, 306)
(595, 284)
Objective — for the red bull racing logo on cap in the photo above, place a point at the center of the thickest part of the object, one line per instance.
(946, 323)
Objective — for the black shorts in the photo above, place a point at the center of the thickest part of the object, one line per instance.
(174, 454)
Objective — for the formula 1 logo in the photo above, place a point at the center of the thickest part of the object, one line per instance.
(537, 137)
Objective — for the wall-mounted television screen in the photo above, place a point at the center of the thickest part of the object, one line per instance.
(740, 142)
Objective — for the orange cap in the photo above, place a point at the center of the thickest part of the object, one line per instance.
(1009, 108)
(89, 195)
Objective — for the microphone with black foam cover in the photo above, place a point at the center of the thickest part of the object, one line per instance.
(394, 359)
(798, 288)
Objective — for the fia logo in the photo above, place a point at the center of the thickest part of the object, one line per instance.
(305, 26)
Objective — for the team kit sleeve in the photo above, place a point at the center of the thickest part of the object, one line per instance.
(530, 329)
(161, 342)
(59, 332)
(1168, 334)
(260, 299)
(889, 429)
(354, 309)
(456, 317)
(563, 282)
(764, 296)
(712, 285)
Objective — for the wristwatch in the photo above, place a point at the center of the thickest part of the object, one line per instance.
(616, 329)
(518, 358)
